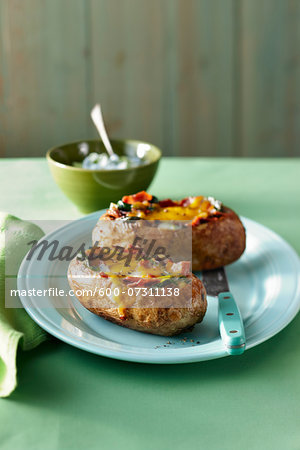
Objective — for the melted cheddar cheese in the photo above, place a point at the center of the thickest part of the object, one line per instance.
(199, 207)
(145, 206)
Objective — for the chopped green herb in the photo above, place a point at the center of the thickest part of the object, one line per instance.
(122, 206)
(126, 219)
(81, 256)
(154, 199)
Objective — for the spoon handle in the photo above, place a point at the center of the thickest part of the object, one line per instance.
(96, 115)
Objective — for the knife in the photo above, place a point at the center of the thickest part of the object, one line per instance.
(230, 320)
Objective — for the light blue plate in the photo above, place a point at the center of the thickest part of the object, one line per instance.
(265, 282)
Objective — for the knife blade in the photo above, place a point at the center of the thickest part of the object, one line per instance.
(230, 320)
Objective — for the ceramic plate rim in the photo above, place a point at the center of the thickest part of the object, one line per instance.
(182, 355)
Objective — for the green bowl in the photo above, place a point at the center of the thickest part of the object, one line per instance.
(91, 190)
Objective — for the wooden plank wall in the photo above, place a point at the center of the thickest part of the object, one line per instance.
(269, 57)
(195, 77)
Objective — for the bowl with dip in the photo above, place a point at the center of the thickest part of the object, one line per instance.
(88, 177)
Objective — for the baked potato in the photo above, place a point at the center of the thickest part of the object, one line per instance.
(217, 235)
(103, 287)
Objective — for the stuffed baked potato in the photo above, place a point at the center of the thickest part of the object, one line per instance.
(131, 295)
(218, 236)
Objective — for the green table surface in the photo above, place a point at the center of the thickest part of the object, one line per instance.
(70, 399)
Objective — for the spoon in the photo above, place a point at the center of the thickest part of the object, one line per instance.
(97, 118)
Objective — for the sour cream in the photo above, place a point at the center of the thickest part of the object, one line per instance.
(101, 161)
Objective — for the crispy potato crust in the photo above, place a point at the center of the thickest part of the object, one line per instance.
(154, 320)
(216, 242)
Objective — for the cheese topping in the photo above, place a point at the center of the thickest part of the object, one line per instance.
(144, 206)
(199, 207)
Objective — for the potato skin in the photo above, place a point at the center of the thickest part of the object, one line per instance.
(216, 242)
(154, 320)
(112, 233)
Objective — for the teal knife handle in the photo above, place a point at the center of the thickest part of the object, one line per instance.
(231, 324)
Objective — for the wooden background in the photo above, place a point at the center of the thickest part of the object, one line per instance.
(195, 77)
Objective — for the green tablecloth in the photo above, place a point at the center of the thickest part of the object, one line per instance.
(67, 398)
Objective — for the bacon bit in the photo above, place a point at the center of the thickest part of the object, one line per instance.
(130, 279)
(186, 201)
(183, 268)
(128, 199)
(103, 275)
(139, 197)
(138, 282)
(213, 218)
(114, 213)
(145, 263)
(198, 220)
(167, 202)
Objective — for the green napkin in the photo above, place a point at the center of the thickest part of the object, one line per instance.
(16, 327)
